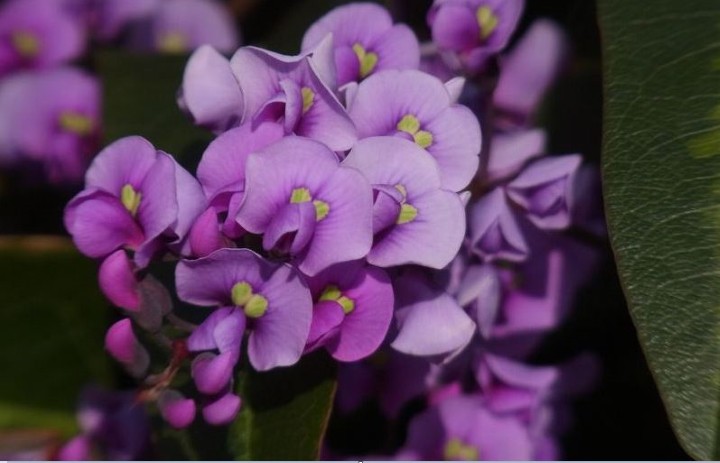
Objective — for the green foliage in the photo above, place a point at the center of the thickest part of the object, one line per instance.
(285, 411)
(662, 182)
(52, 321)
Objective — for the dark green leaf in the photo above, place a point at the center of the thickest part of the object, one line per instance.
(139, 98)
(52, 324)
(285, 411)
(662, 182)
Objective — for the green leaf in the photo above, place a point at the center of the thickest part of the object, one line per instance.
(139, 98)
(285, 411)
(662, 183)
(52, 325)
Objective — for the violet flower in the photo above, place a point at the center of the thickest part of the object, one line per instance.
(50, 117)
(365, 41)
(352, 312)
(123, 346)
(112, 17)
(295, 90)
(474, 30)
(306, 204)
(495, 233)
(270, 300)
(418, 107)
(37, 34)
(415, 221)
(136, 198)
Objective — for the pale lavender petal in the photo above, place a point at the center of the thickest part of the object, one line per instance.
(113, 15)
(292, 228)
(398, 48)
(203, 337)
(480, 291)
(455, 27)
(124, 162)
(455, 88)
(430, 322)
(183, 25)
(494, 231)
(509, 152)
(530, 68)
(210, 93)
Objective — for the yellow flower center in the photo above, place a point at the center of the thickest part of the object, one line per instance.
(26, 44)
(308, 97)
(411, 125)
(254, 305)
(333, 293)
(76, 123)
(302, 195)
(368, 60)
(130, 199)
(455, 449)
(408, 212)
(487, 21)
(172, 42)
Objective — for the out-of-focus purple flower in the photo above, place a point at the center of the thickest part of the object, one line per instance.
(271, 300)
(462, 428)
(113, 16)
(475, 30)
(365, 41)
(418, 107)
(494, 230)
(222, 409)
(545, 191)
(123, 345)
(180, 26)
(176, 409)
(51, 117)
(430, 321)
(115, 423)
(118, 281)
(307, 204)
(353, 310)
(528, 71)
(587, 214)
(295, 90)
(221, 173)
(136, 198)
(210, 93)
(415, 221)
(37, 34)
(480, 292)
(509, 152)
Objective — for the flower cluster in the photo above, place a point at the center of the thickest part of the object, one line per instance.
(348, 204)
(50, 110)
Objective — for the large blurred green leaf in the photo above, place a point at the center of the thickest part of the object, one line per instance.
(285, 411)
(52, 323)
(662, 186)
(139, 98)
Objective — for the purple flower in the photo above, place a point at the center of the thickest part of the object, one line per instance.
(415, 221)
(176, 409)
(51, 117)
(136, 198)
(418, 107)
(480, 292)
(210, 93)
(365, 41)
(430, 322)
(528, 70)
(113, 16)
(495, 233)
(37, 34)
(545, 191)
(509, 152)
(295, 90)
(179, 26)
(306, 204)
(271, 300)
(352, 312)
(462, 428)
(474, 29)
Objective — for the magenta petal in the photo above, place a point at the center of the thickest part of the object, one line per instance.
(78, 448)
(121, 343)
(178, 411)
(205, 236)
(159, 205)
(212, 373)
(99, 224)
(291, 229)
(210, 92)
(118, 282)
(327, 315)
(223, 410)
